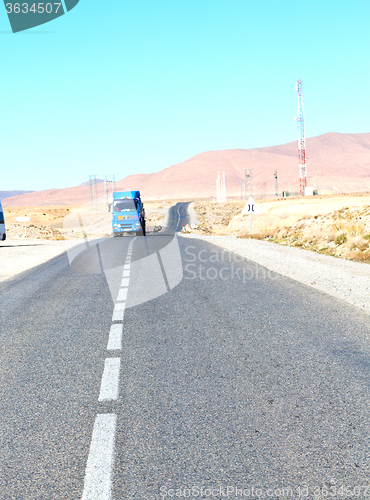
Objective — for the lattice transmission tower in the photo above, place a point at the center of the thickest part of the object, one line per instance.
(301, 141)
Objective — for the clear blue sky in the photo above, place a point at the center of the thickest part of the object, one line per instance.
(135, 86)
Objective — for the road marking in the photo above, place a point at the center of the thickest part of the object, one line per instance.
(122, 294)
(119, 311)
(125, 281)
(110, 380)
(98, 478)
(115, 337)
(178, 220)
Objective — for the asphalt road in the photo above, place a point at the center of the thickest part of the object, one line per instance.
(131, 374)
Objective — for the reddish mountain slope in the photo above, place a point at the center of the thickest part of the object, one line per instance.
(340, 162)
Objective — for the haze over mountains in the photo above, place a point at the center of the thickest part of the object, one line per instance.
(339, 162)
(7, 194)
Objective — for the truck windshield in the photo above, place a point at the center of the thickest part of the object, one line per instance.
(125, 206)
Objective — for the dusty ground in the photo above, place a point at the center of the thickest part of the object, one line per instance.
(335, 225)
(69, 222)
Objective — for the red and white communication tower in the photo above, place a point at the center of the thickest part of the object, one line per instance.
(301, 140)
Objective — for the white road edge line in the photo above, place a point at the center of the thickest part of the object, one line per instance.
(126, 273)
(110, 380)
(98, 478)
(115, 337)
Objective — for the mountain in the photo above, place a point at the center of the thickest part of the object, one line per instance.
(339, 162)
(7, 194)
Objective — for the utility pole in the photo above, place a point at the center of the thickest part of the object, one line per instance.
(301, 141)
(106, 194)
(114, 184)
(218, 187)
(246, 176)
(241, 190)
(95, 194)
(276, 184)
(223, 187)
(245, 183)
(90, 193)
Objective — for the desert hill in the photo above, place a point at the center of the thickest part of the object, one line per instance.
(8, 194)
(339, 162)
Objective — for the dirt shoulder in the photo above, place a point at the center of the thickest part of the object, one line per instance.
(333, 225)
(22, 255)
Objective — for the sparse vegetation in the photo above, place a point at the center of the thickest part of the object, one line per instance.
(342, 233)
(340, 239)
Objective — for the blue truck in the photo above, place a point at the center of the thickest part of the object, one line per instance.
(128, 213)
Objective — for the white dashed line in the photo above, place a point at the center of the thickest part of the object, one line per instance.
(110, 380)
(125, 281)
(115, 337)
(98, 478)
(122, 294)
(119, 311)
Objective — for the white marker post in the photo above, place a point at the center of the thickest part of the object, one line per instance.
(250, 208)
(25, 220)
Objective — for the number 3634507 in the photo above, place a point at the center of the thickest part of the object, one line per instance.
(36, 8)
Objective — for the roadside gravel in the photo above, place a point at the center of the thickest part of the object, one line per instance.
(18, 255)
(346, 280)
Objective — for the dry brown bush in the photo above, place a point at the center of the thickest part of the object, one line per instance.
(312, 235)
(330, 235)
(360, 256)
(282, 233)
(357, 242)
(256, 236)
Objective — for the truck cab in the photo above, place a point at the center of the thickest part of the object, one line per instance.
(2, 225)
(128, 214)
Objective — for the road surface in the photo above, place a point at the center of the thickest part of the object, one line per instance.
(125, 375)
